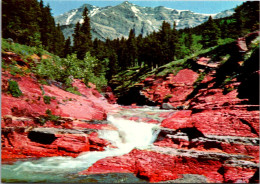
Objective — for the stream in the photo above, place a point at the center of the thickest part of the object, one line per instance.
(129, 135)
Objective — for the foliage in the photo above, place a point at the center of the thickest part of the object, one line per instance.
(82, 36)
(21, 49)
(31, 23)
(73, 90)
(14, 89)
(64, 70)
(48, 117)
(47, 99)
(199, 80)
(167, 97)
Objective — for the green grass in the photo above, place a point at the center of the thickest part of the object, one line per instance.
(55, 68)
(73, 90)
(23, 50)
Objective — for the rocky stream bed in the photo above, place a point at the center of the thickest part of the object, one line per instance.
(209, 134)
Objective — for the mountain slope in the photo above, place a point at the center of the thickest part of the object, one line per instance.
(116, 21)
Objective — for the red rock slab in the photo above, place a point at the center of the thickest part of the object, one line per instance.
(242, 149)
(121, 164)
(180, 119)
(174, 88)
(226, 122)
(157, 167)
(165, 114)
(72, 143)
(18, 145)
(214, 98)
(98, 144)
(185, 76)
(237, 174)
(230, 148)
(168, 142)
(217, 122)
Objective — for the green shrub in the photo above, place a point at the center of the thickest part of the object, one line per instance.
(199, 79)
(48, 117)
(14, 89)
(47, 99)
(73, 90)
(52, 117)
(60, 69)
(41, 120)
(167, 97)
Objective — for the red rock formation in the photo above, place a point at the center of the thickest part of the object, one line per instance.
(156, 167)
(108, 94)
(21, 115)
(173, 90)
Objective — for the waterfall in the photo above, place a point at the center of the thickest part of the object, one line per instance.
(129, 135)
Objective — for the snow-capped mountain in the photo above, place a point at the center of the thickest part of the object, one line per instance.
(116, 21)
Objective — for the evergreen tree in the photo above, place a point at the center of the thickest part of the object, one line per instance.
(82, 36)
(113, 66)
(165, 39)
(21, 21)
(67, 47)
(175, 43)
(76, 37)
(210, 34)
(131, 49)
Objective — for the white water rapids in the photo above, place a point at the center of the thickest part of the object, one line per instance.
(129, 135)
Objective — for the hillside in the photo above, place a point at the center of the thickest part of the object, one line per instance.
(219, 67)
(36, 105)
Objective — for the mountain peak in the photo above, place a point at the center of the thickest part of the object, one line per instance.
(116, 21)
(126, 3)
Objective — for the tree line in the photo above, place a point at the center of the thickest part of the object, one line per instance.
(166, 45)
(30, 22)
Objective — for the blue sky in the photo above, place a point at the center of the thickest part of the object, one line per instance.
(210, 7)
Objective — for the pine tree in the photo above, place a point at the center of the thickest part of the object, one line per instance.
(67, 48)
(83, 36)
(167, 43)
(211, 33)
(76, 37)
(21, 21)
(131, 49)
(174, 43)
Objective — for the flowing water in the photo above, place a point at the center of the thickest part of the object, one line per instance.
(129, 135)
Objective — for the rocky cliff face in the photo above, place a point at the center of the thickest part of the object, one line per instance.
(115, 22)
(48, 121)
(214, 134)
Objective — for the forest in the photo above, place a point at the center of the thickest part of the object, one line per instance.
(31, 23)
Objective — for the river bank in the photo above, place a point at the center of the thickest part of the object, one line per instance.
(210, 131)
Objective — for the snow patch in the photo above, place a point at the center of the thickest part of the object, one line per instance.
(149, 22)
(179, 11)
(134, 9)
(206, 14)
(69, 17)
(81, 21)
(177, 22)
(168, 8)
(94, 11)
